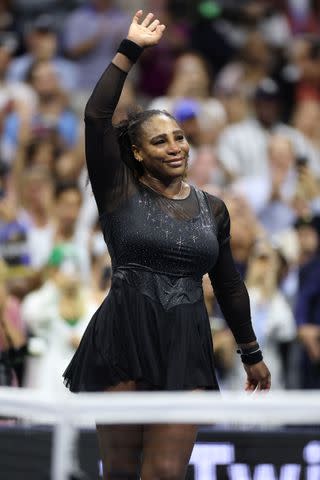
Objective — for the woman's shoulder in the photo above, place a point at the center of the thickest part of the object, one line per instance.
(217, 205)
(220, 215)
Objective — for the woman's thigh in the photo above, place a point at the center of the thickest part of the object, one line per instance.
(121, 445)
(167, 450)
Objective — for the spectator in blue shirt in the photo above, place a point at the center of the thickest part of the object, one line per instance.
(307, 310)
(52, 116)
(42, 44)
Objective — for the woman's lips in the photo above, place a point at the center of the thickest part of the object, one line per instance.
(175, 162)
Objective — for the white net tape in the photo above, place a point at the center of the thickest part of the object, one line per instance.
(144, 407)
(71, 412)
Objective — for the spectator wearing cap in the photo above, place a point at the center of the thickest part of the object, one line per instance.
(42, 44)
(91, 35)
(186, 111)
(242, 147)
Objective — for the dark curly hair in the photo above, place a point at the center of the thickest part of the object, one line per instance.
(129, 133)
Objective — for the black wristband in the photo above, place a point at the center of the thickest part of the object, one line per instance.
(130, 49)
(248, 350)
(252, 358)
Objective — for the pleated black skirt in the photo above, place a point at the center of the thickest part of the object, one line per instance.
(131, 337)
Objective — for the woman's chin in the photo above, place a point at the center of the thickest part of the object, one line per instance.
(176, 169)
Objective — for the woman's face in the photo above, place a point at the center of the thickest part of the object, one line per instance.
(164, 149)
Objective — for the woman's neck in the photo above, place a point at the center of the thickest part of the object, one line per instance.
(175, 188)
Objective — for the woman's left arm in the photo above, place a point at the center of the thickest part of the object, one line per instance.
(233, 298)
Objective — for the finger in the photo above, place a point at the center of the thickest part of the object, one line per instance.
(250, 387)
(137, 16)
(160, 29)
(147, 20)
(266, 384)
(153, 25)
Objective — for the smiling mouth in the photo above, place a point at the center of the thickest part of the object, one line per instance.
(175, 160)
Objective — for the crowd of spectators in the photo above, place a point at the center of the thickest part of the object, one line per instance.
(243, 80)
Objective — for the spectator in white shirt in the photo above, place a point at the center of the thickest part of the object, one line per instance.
(242, 148)
(287, 189)
(56, 314)
(63, 228)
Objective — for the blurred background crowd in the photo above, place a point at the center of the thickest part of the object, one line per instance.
(243, 79)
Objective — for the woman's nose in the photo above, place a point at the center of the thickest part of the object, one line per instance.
(174, 148)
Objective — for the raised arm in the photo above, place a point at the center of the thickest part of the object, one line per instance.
(233, 298)
(105, 168)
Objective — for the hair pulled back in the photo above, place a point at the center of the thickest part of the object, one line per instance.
(129, 132)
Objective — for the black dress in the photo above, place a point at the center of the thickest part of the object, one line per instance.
(153, 325)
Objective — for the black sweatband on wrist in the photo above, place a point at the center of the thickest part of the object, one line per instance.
(130, 49)
(248, 350)
(252, 358)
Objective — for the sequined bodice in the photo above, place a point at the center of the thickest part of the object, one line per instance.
(143, 236)
(163, 256)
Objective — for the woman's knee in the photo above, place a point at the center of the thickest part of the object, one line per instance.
(164, 469)
(120, 448)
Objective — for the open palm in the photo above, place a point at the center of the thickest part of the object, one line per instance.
(146, 32)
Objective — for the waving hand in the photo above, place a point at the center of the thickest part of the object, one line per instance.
(145, 32)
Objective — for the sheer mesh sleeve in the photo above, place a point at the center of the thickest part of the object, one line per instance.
(222, 218)
(109, 176)
(226, 281)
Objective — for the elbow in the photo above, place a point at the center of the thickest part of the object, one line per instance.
(100, 118)
(228, 286)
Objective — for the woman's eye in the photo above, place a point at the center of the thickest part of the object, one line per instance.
(180, 137)
(159, 141)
